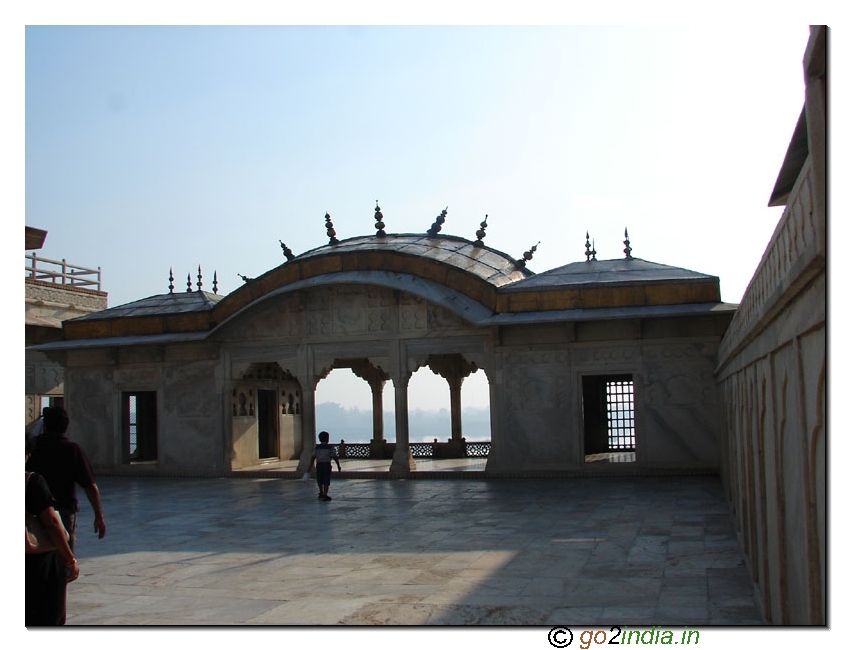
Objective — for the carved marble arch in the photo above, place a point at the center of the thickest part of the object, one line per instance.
(449, 366)
(265, 375)
(362, 367)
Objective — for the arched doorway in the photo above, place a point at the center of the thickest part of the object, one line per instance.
(265, 415)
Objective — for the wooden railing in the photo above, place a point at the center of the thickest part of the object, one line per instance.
(60, 272)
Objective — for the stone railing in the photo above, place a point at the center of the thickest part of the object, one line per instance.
(60, 272)
(479, 449)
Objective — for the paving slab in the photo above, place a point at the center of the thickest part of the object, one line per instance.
(533, 552)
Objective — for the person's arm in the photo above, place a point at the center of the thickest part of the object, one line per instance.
(93, 495)
(53, 524)
(31, 546)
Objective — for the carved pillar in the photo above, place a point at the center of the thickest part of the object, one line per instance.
(455, 384)
(308, 424)
(377, 410)
(402, 458)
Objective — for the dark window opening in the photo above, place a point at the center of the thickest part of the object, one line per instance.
(608, 404)
(139, 426)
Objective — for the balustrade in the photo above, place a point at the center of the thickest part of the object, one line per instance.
(61, 272)
(480, 449)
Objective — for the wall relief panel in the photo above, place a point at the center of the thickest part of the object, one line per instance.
(137, 377)
(191, 391)
(281, 318)
(43, 378)
(606, 355)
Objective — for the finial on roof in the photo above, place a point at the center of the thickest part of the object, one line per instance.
(379, 221)
(171, 280)
(628, 249)
(215, 282)
(199, 277)
(331, 232)
(526, 256)
(437, 226)
(287, 252)
(245, 278)
(188, 283)
(479, 243)
(590, 252)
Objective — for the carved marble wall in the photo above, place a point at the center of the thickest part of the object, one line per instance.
(772, 374)
(93, 406)
(190, 435)
(41, 377)
(538, 417)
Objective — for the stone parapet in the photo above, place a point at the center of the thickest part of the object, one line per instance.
(795, 255)
(47, 302)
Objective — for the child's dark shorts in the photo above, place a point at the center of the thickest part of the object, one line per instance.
(323, 473)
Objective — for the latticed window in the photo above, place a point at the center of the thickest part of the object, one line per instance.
(620, 402)
(608, 407)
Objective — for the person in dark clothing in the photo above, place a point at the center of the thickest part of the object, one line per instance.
(46, 573)
(64, 465)
(322, 456)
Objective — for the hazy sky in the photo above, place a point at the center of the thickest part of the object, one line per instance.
(156, 148)
(151, 148)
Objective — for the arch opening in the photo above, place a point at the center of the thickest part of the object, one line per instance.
(265, 411)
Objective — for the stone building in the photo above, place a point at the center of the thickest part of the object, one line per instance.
(591, 362)
(54, 291)
(593, 359)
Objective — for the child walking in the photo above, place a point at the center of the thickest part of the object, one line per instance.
(322, 456)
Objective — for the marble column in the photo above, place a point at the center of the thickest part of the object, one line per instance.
(308, 424)
(403, 462)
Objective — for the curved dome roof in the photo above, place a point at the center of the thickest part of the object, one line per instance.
(488, 264)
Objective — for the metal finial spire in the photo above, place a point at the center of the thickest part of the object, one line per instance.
(188, 283)
(199, 277)
(526, 256)
(437, 226)
(331, 232)
(379, 221)
(593, 252)
(479, 243)
(215, 282)
(245, 278)
(171, 280)
(628, 249)
(287, 252)
(587, 246)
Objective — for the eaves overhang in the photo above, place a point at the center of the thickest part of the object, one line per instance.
(611, 313)
(119, 341)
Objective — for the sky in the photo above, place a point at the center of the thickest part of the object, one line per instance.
(159, 149)
(151, 149)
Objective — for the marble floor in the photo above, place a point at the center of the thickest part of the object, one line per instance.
(532, 552)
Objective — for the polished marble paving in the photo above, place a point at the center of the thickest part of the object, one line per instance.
(265, 551)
